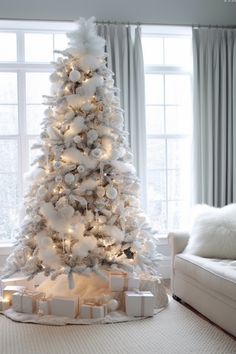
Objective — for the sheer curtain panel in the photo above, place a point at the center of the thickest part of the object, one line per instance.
(214, 60)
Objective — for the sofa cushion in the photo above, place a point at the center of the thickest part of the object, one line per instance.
(216, 274)
(214, 232)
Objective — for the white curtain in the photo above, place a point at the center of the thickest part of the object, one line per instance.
(125, 59)
(214, 59)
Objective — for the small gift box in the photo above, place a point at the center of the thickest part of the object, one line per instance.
(91, 310)
(155, 285)
(119, 281)
(20, 281)
(139, 303)
(9, 290)
(4, 304)
(65, 306)
(43, 306)
(25, 301)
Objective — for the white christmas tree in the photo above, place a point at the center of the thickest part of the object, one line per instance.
(82, 210)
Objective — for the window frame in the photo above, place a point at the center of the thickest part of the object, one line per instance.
(162, 69)
(21, 67)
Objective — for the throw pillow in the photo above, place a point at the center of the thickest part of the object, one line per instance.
(213, 233)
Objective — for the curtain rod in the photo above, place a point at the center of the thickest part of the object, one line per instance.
(126, 23)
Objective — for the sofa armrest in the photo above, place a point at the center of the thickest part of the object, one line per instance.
(178, 241)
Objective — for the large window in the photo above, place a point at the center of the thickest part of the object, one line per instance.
(25, 56)
(168, 77)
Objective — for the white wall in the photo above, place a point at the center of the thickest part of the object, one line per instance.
(214, 12)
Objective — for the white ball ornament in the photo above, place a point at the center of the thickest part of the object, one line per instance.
(96, 153)
(69, 178)
(113, 305)
(67, 211)
(81, 169)
(92, 135)
(111, 192)
(42, 191)
(77, 139)
(58, 179)
(57, 164)
(74, 76)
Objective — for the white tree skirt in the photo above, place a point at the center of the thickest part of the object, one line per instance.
(112, 317)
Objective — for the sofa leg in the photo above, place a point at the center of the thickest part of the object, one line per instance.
(175, 297)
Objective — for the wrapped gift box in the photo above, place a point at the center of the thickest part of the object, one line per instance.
(65, 306)
(25, 301)
(20, 281)
(123, 281)
(43, 306)
(4, 304)
(93, 311)
(139, 303)
(9, 290)
(157, 288)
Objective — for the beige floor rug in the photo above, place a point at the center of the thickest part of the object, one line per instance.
(174, 330)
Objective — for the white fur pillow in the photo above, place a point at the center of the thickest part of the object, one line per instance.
(213, 233)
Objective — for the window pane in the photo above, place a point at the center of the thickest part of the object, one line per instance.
(178, 51)
(154, 89)
(152, 50)
(154, 120)
(178, 153)
(155, 154)
(8, 120)
(8, 190)
(60, 41)
(176, 185)
(34, 116)
(8, 46)
(156, 185)
(38, 47)
(157, 213)
(178, 120)
(8, 221)
(8, 155)
(177, 213)
(37, 85)
(8, 87)
(177, 89)
(33, 153)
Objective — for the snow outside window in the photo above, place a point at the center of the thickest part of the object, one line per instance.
(168, 80)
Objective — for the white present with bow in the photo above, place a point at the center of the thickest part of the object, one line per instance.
(65, 306)
(25, 301)
(9, 290)
(155, 285)
(93, 309)
(120, 281)
(139, 303)
(43, 306)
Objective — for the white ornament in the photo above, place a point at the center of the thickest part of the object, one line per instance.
(57, 164)
(92, 135)
(111, 192)
(113, 305)
(87, 107)
(96, 153)
(102, 219)
(77, 139)
(69, 178)
(81, 169)
(100, 191)
(58, 179)
(66, 211)
(74, 75)
(42, 191)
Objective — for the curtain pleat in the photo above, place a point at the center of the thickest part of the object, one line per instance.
(214, 115)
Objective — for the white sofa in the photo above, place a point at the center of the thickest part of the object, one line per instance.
(206, 284)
